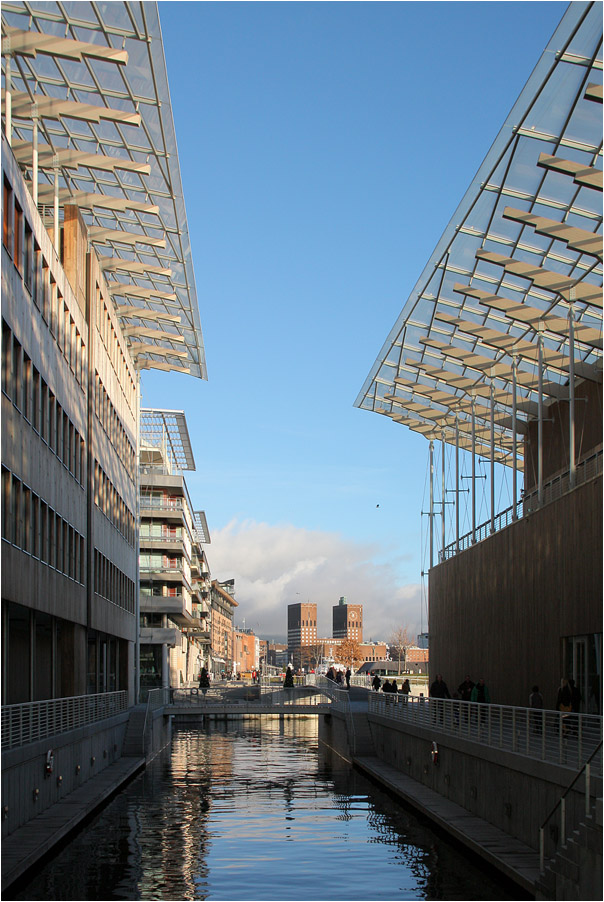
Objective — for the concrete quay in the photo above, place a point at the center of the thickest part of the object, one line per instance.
(28, 844)
(511, 857)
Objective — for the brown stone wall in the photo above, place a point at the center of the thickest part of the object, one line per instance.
(500, 609)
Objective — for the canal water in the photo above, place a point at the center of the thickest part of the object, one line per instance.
(258, 810)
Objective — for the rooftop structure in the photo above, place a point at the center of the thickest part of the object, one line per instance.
(508, 308)
(89, 119)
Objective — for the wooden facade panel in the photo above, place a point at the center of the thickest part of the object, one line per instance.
(501, 609)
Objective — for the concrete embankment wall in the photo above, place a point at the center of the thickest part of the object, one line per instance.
(511, 791)
(78, 756)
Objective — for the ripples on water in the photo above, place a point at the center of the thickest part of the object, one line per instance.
(250, 812)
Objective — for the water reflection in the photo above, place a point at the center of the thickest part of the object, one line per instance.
(257, 810)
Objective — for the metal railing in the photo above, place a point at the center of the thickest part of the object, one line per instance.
(559, 833)
(237, 694)
(552, 490)
(31, 721)
(151, 504)
(565, 739)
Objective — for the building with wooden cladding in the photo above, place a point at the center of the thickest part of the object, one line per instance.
(496, 359)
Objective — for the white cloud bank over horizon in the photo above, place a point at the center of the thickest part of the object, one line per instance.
(277, 565)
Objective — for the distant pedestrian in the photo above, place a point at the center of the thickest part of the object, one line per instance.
(465, 689)
(204, 680)
(376, 682)
(535, 704)
(575, 703)
(348, 675)
(439, 692)
(330, 674)
(480, 693)
(575, 697)
(394, 687)
(386, 687)
(438, 689)
(564, 701)
(406, 688)
(339, 678)
(535, 698)
(564, 704)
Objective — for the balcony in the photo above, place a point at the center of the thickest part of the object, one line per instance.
(172, 605)
(157, 635)
(162, 543)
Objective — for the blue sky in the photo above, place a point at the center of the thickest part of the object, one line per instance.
(323, 149)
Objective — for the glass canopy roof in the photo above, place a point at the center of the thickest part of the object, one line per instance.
(92, 77)
(168, 430)
(520, 258)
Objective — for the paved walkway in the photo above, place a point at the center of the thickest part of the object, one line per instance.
(518, 861)
(29, 843)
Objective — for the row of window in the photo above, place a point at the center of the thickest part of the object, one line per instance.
(29, 260)
(29, 392)
(112, 424)
(114, 351)
(112, 584)
(110, 502)
(33, 526)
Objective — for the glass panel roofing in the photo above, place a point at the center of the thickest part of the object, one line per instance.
(121, 67)
(523, 250)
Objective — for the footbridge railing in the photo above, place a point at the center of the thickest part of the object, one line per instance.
(244, 699)
(552, 736)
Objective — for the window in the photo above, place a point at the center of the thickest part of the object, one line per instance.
(28, 256)
(18, 238)
(7, 211)
(16, 373)
(44, 408)
(35, 399)
(43, 532)
(7, 345)
(6, 503)
(16, 511)
(26, 388)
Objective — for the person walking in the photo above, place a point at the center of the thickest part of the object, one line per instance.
(480, 693)
(465, 689)
(348, 675)
(376, 682)
(439, 691)
(406, 688)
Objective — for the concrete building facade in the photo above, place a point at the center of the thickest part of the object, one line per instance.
(94, 290)
(174, 597)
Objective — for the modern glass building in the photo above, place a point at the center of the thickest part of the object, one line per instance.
(496, 358)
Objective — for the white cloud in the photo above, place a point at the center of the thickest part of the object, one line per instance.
(277, 565)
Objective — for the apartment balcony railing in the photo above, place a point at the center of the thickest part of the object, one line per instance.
(31, 721)
(552, 490)
(552, 736)
(160, 568)
(161, 505)
(145, 539)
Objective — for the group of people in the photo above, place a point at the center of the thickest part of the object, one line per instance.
(390, 685)
(338, 677)
(468, 691)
